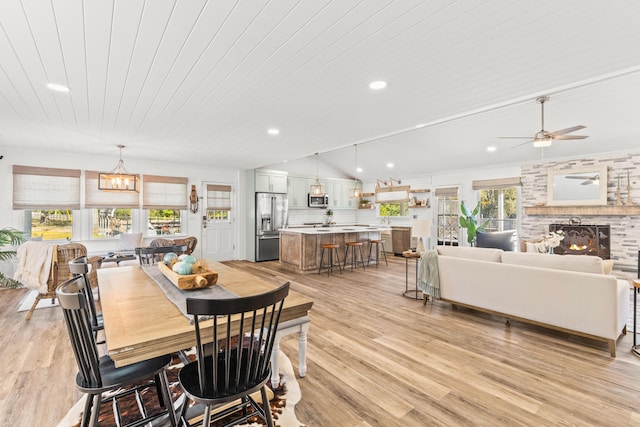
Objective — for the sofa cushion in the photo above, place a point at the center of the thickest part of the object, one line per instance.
(129, 241)
(481, 254)
(496, 239)
(580, 263)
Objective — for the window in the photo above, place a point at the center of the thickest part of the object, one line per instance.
(44, 224)
(107, 223)
(164, 222)
(48, 196)
(499, 203)
(393, 209)
(218, 202)
(165, 200)
(448, 212)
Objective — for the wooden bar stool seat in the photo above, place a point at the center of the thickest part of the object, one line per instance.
(354, 261)
(333, 249)
(377, 242)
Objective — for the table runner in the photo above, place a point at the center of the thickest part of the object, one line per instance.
(179, 296)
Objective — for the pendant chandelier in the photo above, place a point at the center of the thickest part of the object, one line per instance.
(356, 191)
(316, 189)
(119, 179)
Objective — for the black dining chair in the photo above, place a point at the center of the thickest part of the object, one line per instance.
(152, 254)
(236, 363)
(98, 374)
(78, 267)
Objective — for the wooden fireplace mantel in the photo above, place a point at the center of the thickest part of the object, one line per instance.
(612, 210)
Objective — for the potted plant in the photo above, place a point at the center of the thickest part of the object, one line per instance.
(468, 220)
(9, 236)
(328, 216)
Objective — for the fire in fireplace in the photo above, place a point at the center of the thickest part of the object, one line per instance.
(584, 240)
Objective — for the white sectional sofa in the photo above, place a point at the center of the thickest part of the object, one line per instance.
(564, 292)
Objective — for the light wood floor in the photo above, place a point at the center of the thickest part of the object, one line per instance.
(375, 358)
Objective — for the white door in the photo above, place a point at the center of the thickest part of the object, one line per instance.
(218, 236)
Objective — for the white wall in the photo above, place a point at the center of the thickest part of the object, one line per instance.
(82, 232)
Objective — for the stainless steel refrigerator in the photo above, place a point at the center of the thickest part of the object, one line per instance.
(271, 216)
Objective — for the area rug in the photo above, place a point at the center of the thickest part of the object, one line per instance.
(282, 405)
(30, 297)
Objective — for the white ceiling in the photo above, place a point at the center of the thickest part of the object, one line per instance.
(202, 81)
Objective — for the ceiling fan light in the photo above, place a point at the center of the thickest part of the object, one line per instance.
(541, 143)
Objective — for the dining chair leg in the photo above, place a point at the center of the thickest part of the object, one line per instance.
(86, 415)
(95, 411)
(266, 407)
(206, 418)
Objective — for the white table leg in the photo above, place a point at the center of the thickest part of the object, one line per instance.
(302, 349)
(275, 362)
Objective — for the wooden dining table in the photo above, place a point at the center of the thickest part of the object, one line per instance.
(141, 323)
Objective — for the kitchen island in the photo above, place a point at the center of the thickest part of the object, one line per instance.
(300, 247)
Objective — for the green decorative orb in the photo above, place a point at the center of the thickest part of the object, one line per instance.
(183, 268)
(170, 257)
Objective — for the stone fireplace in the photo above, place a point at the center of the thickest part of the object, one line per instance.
(584, 240)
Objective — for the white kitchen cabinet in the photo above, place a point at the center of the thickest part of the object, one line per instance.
(271, 182)
(297, 191)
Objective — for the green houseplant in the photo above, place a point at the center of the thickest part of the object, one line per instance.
(9, 236)
(469, 221)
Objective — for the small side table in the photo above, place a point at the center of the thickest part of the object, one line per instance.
(636, 289)
(411, 293)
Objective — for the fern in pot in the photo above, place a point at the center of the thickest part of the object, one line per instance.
(9, 236)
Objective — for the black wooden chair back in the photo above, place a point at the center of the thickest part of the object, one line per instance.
(233, 354)
(98, 374)
(152, 254)
(78, 267)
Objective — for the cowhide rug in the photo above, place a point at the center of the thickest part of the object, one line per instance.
(282, 404)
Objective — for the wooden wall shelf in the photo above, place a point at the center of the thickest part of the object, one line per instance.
(583, 210)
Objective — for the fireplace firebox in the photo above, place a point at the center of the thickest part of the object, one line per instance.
(584, 240)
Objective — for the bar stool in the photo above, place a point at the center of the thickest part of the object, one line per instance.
(376, 242)
(333, 250)
(354, 261)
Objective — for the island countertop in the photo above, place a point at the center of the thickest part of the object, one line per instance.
(336, 229)
(300, 248)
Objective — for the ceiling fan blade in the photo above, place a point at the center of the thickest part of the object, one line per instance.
(561, 137)
(568, 130)
(524, 143)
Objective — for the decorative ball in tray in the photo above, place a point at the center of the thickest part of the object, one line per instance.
(186, 272)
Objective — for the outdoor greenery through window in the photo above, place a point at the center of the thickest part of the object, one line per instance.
(500, 207)
(49, 224)
(393, 209)
(109, 223)
(164, 222)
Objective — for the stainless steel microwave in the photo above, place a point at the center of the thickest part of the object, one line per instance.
(318, 201)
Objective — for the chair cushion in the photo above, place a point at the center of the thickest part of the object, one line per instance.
(497, 239)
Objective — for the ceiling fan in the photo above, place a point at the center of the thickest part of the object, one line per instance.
(544, 138)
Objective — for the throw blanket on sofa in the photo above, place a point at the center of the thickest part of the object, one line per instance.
(34, 264)
(428, 273)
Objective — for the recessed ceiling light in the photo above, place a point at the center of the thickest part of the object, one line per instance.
(273, 131)
(358, 169)
(389, 165)
(58, 88)
(491, 148)
(379, 84)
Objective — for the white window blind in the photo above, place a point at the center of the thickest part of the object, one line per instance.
(164, 192)
(494, 184)
(95, 198)
(45, 188)
(447, 191)
(218, 197)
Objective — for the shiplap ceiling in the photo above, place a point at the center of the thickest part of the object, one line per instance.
(202, 81)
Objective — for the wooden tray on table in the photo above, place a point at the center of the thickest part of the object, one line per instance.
(189, 281)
